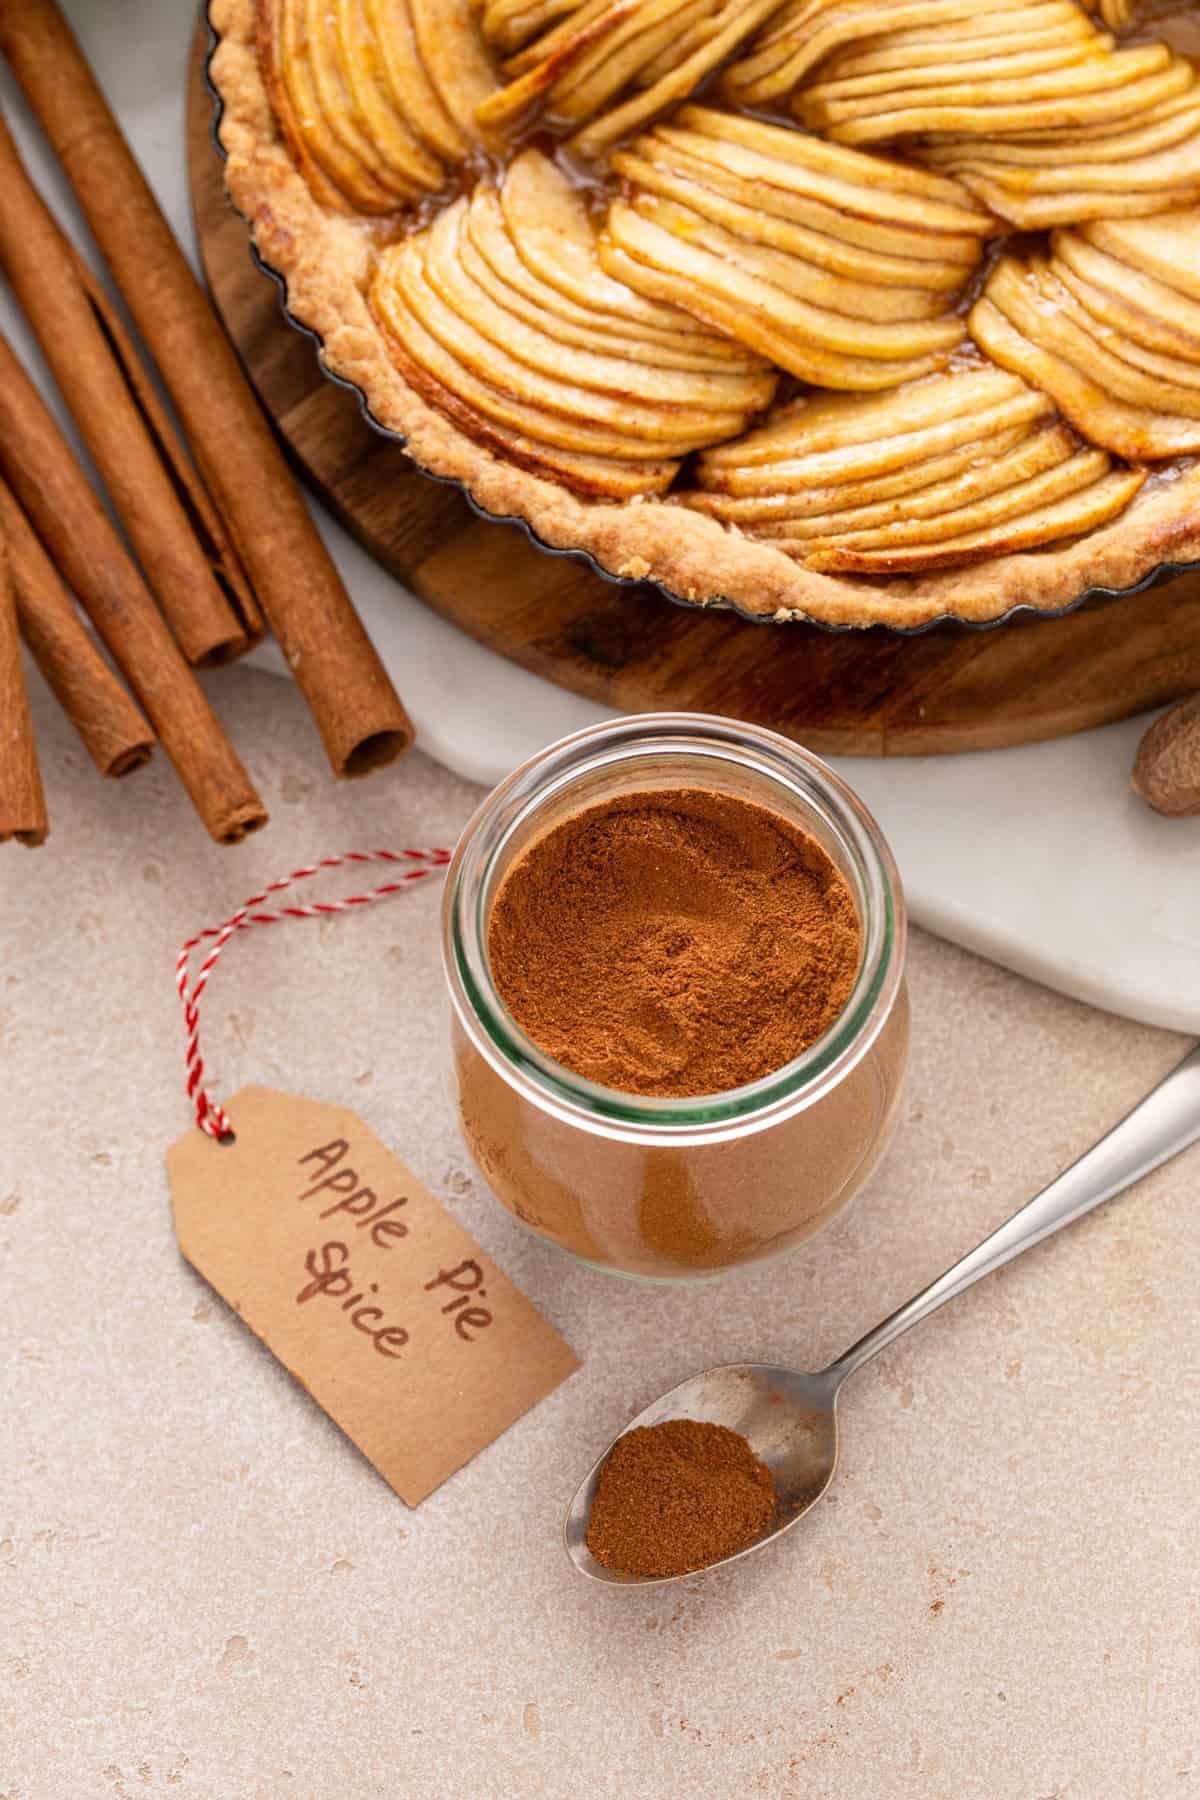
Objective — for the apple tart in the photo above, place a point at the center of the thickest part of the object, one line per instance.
(860, 311)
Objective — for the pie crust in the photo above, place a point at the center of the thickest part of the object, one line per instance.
(325, 258)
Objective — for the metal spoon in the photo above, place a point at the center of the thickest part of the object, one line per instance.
(790, 1419)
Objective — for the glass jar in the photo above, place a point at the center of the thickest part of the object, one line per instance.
(676, 1189)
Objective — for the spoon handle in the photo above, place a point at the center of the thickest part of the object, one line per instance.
(1165, 1122)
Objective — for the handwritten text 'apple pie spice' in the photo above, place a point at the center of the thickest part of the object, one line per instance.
(357, 1208)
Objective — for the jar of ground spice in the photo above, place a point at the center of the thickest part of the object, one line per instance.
(675, 953)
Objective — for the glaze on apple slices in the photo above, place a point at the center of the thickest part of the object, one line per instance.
(1109, 326)
(500, 315)
(944, 472)
(610, 66)
(1028, 102)
(375, 98)
(839, 268)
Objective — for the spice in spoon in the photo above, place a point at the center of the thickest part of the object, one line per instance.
(675, 1497)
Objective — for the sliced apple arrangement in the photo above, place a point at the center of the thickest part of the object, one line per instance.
(1117, 171)
(502, 316)
(1028, 102)
(777, 322)
(607, 67)
(810, 45)
(839, 268)
(1084, 83)
(937, 474)
(1109, 327)
(376, 99)
(1144, 160)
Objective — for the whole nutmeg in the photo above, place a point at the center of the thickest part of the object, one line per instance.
(1167, 770)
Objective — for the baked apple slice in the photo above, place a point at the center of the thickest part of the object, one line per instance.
(869, 187)
(493, 259)
(336, 162)
(1064, 179)
(1117, 14)
(994, 466)
(602, 71)
(1145, 309)
(739, 19)
(1029, 297)
(406, 306)
(703, 404)
(804, 33)
(413, 93)
(375, 98)
(507, 24)
(1167, 249)
(456, 59)
(562, 28)
(1023, 335)
(578, 44)
(659, 168)
(390, 143)
(783, 190)
(834, 439)
(824, 348)
(767, 513)
(1119, 85)
(512, 360)
(1016, 496)
(740, 263)
(565, 412)
(942, 472)
(880, 303)
(557, 241)
(1080, 513)
(1124, 141)
(924, 55)
(1106, 341)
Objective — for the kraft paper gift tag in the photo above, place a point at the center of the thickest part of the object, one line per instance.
(364, 1287)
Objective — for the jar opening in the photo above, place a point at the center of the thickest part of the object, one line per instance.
(661, 751)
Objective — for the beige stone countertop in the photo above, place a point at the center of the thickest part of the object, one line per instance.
(205, 1591)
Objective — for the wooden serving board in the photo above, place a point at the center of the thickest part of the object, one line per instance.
(855, 693)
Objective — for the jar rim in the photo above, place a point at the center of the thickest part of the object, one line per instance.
(610, 745)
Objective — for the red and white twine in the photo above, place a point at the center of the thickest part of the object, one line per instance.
(210, 1116)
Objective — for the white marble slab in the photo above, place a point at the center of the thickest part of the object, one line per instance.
(1039, 858)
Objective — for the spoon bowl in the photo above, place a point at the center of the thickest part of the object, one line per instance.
(789, 1420)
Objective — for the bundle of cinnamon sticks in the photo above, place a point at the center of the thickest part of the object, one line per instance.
(217, 539)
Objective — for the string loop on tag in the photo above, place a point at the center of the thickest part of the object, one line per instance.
(418, 864)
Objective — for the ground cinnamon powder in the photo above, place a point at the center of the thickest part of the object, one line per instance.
(674, 943)
(675, 1497)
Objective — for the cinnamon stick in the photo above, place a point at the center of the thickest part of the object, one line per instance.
(357, 710)
(22, 802)
(43, 270)
(206, 522)
(115, 734)
(75, 529)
